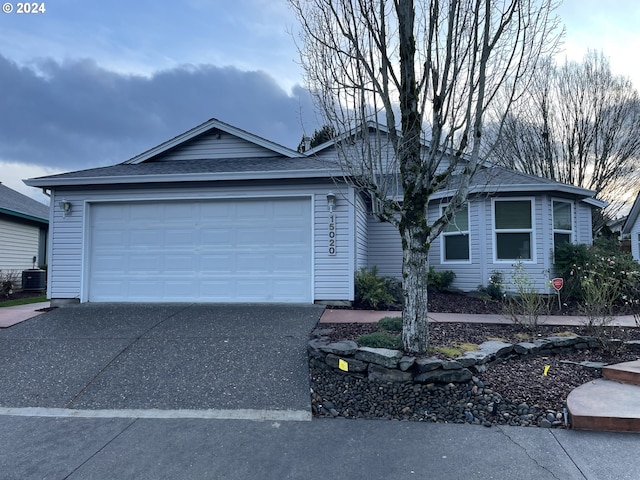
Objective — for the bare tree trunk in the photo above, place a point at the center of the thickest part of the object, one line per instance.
(415, 326)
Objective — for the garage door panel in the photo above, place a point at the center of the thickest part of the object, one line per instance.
(223, 263)
(211, 237)
(219, 250)
(141, 238)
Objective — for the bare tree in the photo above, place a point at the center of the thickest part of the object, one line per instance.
(429, 71)
(578, 123)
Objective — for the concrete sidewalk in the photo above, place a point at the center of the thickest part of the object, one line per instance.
(371, 316)
(10, 316)
(75, 449)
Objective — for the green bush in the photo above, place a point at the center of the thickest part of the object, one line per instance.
(441, 281)
(381, 340)
(588, 269)
(495, 288)
(391, 324)
(374, 291)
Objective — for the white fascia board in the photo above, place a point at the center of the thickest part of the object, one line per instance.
(205, 127)
(185, 177)
(489, 189)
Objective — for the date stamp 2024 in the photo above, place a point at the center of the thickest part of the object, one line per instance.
(24, 8)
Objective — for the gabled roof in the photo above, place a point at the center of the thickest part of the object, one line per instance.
(18, 205)
(200, 171)
(632, 217)
(209, 125)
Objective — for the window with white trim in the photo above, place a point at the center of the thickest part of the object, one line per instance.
(513, 227)
(455, 237)
(562, 223)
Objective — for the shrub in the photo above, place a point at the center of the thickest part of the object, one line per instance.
(374, 291)
(8, 281)
(441, 281)
(381, 340)
(391, 324)
(526, 305)
(495, 288)
(602, 266)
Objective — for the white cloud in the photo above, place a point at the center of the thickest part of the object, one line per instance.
(12, 174)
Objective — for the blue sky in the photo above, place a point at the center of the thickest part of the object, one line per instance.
(91, 83)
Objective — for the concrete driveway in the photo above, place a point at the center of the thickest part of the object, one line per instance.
(170, 357)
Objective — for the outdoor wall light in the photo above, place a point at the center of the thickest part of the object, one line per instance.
(331, 201)
(65, 206)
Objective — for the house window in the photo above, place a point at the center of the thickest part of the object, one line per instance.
(562, 224)
(455, 237)
(513, 226)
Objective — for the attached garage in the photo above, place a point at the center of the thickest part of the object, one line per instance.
(218, 250)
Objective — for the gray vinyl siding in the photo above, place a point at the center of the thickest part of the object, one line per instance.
(332, 274)
(19, 243)
(635, 240)
(215, 145)
(584, 233)
(384, 248)
(468, 274)
(361, 232)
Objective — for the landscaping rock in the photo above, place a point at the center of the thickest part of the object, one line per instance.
(428, 364)
(525, 348)
(343, 348)
(406, 363)
(559, 342)
(479, 358)
(353, 365)
(466, 362)
(380, 374)
(444, 376)
(451, 365)
(496, 348)
(380, 356)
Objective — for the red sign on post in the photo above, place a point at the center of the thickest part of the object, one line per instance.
(557, 283)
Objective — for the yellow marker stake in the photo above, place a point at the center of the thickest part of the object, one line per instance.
(342, 365)
(546, 369)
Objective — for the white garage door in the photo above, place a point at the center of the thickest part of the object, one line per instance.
(256, 250)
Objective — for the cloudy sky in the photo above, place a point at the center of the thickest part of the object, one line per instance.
(90, 82)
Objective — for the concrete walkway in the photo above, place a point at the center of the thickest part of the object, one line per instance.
(370, 316)
(10, 316)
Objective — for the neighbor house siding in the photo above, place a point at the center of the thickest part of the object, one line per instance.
(332, 274)
(214, 145)
(635, 240)
(19, 243)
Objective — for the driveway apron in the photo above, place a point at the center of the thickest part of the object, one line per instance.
(160, 356)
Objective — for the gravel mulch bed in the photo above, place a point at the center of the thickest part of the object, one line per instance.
(511, 392)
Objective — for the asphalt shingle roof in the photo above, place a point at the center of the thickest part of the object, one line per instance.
(210, 166)
(15, 202)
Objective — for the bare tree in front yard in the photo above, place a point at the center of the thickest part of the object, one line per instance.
(429, 72)
(578, 123)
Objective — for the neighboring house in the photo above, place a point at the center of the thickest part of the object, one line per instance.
(220, 215)
(23, 231)
(632, 228)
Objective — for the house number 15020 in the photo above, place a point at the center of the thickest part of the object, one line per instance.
(332, 234)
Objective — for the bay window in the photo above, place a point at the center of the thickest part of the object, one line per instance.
(562, 223)
(513, 227)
